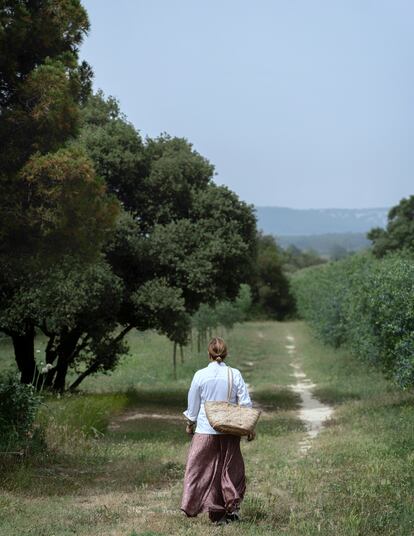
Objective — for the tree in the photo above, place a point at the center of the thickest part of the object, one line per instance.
(166, 188)
(272, 295)
(225, 314)
(64, 213)
(399, 233)
(52, 204)
(337, 252)
(41, 81)
(172, 253)
(295, 258)
(168, 253)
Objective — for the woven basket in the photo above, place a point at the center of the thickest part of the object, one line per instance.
(231, 418)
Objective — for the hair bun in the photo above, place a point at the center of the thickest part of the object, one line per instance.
(217, 349)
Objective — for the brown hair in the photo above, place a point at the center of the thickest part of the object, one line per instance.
(217, 349)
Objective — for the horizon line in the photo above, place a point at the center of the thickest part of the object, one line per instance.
(322, 208)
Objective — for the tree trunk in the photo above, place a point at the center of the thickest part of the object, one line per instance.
(66, 352)
(175, 360)
(24, 355)
(61, 371)
(182, 353)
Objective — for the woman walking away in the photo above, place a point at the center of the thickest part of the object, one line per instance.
(214, 480)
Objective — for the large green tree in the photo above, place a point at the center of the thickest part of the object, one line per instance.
(41, 80)
(399, 232)
(196, 235)
(63, 212)
(52, 203)
(180, 241)
(272, 294)
(83, 266)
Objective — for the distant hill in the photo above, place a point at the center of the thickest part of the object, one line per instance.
(328, 244)
(285, 221)
(331, 232)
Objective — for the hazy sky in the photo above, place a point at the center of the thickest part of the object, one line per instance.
(297, 103)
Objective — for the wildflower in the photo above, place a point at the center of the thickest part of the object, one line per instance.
(48, 367)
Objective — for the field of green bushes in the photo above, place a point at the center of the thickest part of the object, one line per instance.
(366, 305)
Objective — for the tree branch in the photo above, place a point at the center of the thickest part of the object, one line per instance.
(122, 334)
(90, 370)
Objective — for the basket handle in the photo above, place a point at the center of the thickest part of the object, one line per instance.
(230, 382)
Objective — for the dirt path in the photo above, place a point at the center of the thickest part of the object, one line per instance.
(312, 413)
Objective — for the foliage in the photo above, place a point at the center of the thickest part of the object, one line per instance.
(146, 265)
(271, 291)
(155, 180)
(226, 314)
(365, 304)
(41, 84)
(294, 258)
(169, 249)
(66, 300)
(41, 81)
(399, 233)
(60, 216)
(100, 231)
(167, 191)
(59, 206)
(230, 313)
(52, 203)
(19, 404)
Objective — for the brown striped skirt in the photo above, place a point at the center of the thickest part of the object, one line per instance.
(214, 479)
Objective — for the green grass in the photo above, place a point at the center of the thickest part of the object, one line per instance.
(116, 452)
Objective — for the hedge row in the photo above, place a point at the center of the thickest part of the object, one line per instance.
(366, 304)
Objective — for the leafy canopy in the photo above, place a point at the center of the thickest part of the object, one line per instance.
(399, 233)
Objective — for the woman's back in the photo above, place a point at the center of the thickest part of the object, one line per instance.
(211, 383)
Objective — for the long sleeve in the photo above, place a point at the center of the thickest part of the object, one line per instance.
(194, 401)
(243, 397)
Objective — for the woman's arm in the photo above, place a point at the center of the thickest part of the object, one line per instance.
(194, 401)
(243, 397)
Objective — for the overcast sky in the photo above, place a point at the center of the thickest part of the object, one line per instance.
(297, 103)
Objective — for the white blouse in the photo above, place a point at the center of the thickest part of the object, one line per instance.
(211, 383)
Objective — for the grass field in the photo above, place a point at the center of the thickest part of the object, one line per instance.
(114, 455)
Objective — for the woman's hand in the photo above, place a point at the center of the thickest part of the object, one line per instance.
(251, 436)
(190, 428)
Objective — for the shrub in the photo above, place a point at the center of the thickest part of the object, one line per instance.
(18, 408)
(366, 304)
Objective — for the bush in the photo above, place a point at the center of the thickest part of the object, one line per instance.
(18, 408)
(366, 304)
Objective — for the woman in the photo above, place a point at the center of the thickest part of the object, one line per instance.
(214, 480)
